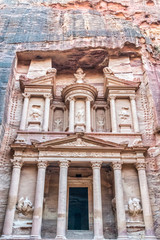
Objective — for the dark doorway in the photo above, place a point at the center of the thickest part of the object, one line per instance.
(78, 209)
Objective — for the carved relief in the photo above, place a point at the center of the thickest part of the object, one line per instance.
(134, 207)
(58, 116)
(79, 75)
(24, 206)
(36, 113)
(124, 114)
(100, 120)
(58, 125)
(80, 116)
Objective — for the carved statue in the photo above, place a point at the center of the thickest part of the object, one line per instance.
(124, 114)
(80, 116)
(108, 71)
(79, 75)
(35, 112)
(58, 124)
(100, 123)
(24, 206)
(134, 206)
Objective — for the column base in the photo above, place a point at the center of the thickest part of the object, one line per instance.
(34, 237)
(98, 238)
(122, 238)
(60, 237)
(150, 237)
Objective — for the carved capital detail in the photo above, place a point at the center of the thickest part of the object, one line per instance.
(117, 165)
(112, 97)
(132, 97)
(96, 164)
(140, 166)
(42, 164)
(47, 95)
(26, 95)
(64, 164)
(17, 162)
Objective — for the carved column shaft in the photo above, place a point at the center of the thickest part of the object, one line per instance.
(88, 116)
(71, 116)
(46, 113)
(12, 198)
(147, 212)
(24, 112)
(38, 205)
(113, 114)
(62, 200)
(97, 201)
(134, 114)
(120, 210)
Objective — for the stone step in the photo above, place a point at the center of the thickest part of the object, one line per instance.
(79, 234)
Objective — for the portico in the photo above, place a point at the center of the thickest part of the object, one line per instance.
(84, 162)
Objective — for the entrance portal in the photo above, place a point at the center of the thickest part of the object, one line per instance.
(78, 209)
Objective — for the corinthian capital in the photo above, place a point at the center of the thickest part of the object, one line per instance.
(96, 164)
(17, 162)
(117, 165)
(64, 164)
(42, 164)
(140, 166)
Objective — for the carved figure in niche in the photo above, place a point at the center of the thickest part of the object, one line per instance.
(36, 112)
(107, 70)
(24, 206)
(100, 123)
(80, 116)
(134, 206)
(58, 125)
(79, 75)
(124, 114)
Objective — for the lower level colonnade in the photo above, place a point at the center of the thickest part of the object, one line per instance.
(98, 226)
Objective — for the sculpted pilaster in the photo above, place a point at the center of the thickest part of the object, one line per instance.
(24, 111)
(46, 111)
(113, 113)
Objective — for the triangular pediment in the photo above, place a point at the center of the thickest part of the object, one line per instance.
(115, 82)
(79, 141)
(47, 79)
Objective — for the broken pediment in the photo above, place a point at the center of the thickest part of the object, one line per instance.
(113, 82)
(48, 79)
(79, 141)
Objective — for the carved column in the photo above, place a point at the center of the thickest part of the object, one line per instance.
(97, 201)
(113, 114)
(13, 194)
(88, 115)
(39, 196)
(71, 115)
(134, 114)
(120, 209)
(146, 206)
(62, 200)
(24, 111)
(46, 112)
